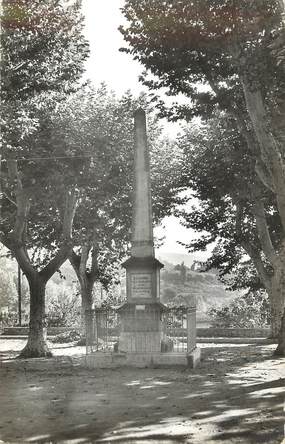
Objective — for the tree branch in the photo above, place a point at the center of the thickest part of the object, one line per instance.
(85, 249)
(269, 146)
(238, 219)
(22, 201)
(9, 198)
(20, 254)
(24, 261)
(69, 213)
(240, 122)
(257, 261)
(94, 261)
(74, 259)
(62, 254)
(250, 250)
(264, 175)
(64, 250)
(263, 231)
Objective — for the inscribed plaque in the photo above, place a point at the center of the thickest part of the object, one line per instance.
(141, 285)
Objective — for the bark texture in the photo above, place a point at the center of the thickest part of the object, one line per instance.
(280, 350)
(86, 278)
(37, 346)
(271, 156)
(277, 302)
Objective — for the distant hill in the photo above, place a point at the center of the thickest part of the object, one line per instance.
(181, 285)
(176, 258)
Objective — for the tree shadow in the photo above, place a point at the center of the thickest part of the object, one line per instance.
(228, 398)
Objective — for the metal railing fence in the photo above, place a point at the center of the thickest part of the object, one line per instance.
(178, 329)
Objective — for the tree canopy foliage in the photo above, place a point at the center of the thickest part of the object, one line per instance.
(42, 54)
(248, 311)
(42, 61)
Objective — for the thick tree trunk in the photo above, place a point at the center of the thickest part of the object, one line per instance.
(37, 345)
(276, 298)
(16, 242)
(270, 148)
(280, 350)
(86, 280)
(274, 284)
(86, 305)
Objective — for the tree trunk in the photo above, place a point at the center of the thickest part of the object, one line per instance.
(273, 286)
(277, 306)
(277, 294)
(280, 350)
(16, 242)
(37, 345)
(86, 304)
(270, 148)
(86, 280)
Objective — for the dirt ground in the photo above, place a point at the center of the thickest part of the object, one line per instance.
(235, 396)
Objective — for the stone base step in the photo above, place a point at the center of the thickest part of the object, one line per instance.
(143, 360)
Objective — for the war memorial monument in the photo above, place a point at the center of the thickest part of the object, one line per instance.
(143, 339)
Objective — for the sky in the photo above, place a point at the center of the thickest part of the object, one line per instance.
(106, 63)
(120, 72)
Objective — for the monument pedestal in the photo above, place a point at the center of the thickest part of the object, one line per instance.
(140, 342)
(142, 329)
(144, 360)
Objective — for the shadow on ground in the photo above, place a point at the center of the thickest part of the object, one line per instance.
(236, 396)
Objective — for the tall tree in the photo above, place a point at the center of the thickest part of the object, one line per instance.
(42, 59)
(227, 47)
(236, 212)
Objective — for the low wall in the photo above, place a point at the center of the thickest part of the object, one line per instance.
(201, 332)
(19, 331)
(212, 332)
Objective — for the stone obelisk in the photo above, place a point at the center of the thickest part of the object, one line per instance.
(141, 325)
(142, 230)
